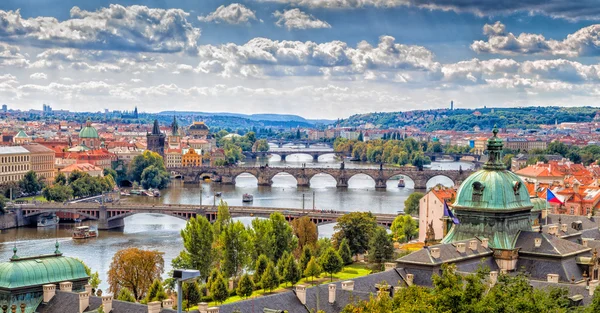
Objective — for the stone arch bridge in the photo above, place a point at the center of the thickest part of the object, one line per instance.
(112, 215)
(303, 175)
(314, 153)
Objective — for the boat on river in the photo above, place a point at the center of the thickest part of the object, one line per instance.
(84, 232)
(136, 191)
(247, 197)
(218, 194)
(48, 220)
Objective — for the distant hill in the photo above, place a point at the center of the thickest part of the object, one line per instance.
(466, 119)
(260, 119)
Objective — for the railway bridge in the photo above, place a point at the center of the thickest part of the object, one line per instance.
(112, 215)
(303, 175)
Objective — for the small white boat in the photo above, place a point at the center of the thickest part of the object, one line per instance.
(247, 198)
(84, 232)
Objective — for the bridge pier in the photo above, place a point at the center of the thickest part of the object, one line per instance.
(264, 181)
(342, 182)
(380, 183)
(283, 157)
(420, 184)
(227, 180)
(303, 181)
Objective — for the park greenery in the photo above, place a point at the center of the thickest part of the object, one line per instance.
(148, 170)
(397, 152)
(266, 256)
(456, 293)
(77, 185)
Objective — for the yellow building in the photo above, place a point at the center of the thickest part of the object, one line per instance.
(14, 163)
(42, 161)
(191, 158)
(480, 145)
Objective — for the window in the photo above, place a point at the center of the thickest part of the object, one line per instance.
(572, 211)
(477, 191)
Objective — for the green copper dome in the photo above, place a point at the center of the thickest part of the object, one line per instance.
(36, 271)
(88, 131)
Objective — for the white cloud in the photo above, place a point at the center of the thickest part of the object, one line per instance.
(584, 42)
(234, 14)
(133, 28)
(38, 76)
(296, 19)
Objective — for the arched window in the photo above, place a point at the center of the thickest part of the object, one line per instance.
(477, 191)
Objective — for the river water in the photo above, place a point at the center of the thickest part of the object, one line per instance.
(160, 232)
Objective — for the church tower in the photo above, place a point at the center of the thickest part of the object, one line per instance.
(156, 140)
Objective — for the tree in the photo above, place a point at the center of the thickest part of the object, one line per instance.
(218, 289)
(360, 137)
(305, 258)
(236, 254)
(154, 177)
(404, 228)
(110, 172)
(261, 265)
(344, 252)
(58, 192)
(312, 269)
(381, 248)
(60, 179)
(197, 251)
(94, 280)
(134, 269)
(285, 239)
(411, 204)
(281, 262)
(261, 145)
(595, 305)
(142, 162)
(331, 262)
(306, 231)
(223, 218)
(357, 227)
(245, 287)
(191, 293)
(2, 204)
(125, 295)
(291, 272)
(156, 292)
(269, 279)
(262, 238)
(298, 136)
(30, 183)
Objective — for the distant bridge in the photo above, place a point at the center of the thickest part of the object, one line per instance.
(303, 175)
(111, 215)
(437, 156)
(315, 153)
(298, 142)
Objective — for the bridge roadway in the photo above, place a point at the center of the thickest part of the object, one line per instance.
(303, 175)
(111, 215)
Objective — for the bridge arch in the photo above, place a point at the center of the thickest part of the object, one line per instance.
(324, 176)
(236, 176)
(72, 211)
(359, 174)
(318, 159)
(445, 180)
(401, 181)
(280, 181)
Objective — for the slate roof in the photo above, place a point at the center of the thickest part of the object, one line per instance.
(550, 245)
(68, 302)
(587, 223)
(448, 254)
(574, 289)
(284, 301)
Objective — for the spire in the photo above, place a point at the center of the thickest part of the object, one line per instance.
(88, 123)
(175, 127)
(156, 128)
(15, 256)
(494, 147)
(57, 245)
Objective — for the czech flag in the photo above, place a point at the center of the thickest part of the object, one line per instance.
(552, 198)
(448, 213)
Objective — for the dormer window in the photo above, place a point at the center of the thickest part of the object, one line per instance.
(517, 187)
(477, 191)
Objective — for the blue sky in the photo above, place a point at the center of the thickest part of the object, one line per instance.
(315, 58)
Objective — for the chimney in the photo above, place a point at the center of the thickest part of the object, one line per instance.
(589, 216)
(584, 241)
(576, 187)
(84, 301)
(484, 242)
(460, 247)
(154, 307)
(348, 285)
(88, 289)
(203, 307)
(593, 285)
(552, 229)
(493, 277)
(213, 309)
(107, 302)
(389, 266)
(331, 293)
(409, 279)
(13, 308)
(563, 228)
(168, 303)
(49, 292)
(301, 293)
(435, 253)
(66, 286)
(553, 278)
(473, 245)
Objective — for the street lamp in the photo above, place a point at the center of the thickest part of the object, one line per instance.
(183, 276)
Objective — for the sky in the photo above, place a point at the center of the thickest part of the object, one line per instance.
(314, 58)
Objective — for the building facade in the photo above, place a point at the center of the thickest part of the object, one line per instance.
(156, 140)
(42, 161)
(14, 163)
(431, 213)
(191, 158)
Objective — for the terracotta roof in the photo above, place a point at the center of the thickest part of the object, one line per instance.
(83, 167)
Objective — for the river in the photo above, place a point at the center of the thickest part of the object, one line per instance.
(160, 232)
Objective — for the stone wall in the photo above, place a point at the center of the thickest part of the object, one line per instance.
(8, 220)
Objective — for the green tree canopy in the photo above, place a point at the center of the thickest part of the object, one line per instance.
(404, 228)
(313, 268)
(269, 279)
(245, 286)
(197, 250)
(142, 162)
(344, 252)
(411, 204)
(218, 289)
(31, 183)
(260, 267)
(331, 262)
(357, 228)
(236, 249)
(381, 247)
(125, 295)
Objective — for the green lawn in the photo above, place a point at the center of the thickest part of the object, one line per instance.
(349, 272)
(30, 199)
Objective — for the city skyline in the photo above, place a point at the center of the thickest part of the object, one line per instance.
(316, 59)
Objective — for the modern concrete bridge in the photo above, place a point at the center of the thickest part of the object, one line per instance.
(303, 175)
(112, 215)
